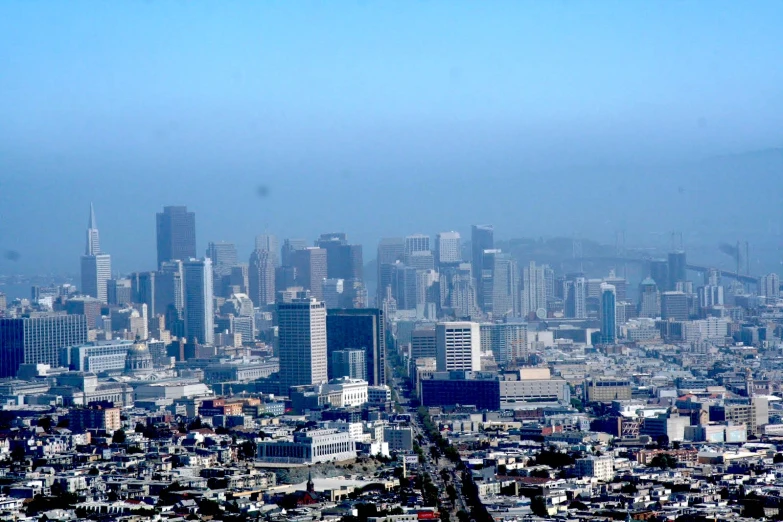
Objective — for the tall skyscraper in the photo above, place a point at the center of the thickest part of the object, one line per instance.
(769, 286)
(363, 329)
(261, 278)
(289, 247)
(608, 314)
(534, 291)
(223, 256)
(674, 306)
(302, 342)
(93, 238)
(677, 269)
(198, 294)
(576, 297)
(343, 261)
(143, 291)
(448, 248)
(659, 272)
(33, 340)
(119, 292)
(390, 250)
(459, 346)
(416, 243)
(176, 234)
(311, 270)
(649, 299)
(482, 237)
(269, 243)
(169, 288)
(95, 265)
(505, 287)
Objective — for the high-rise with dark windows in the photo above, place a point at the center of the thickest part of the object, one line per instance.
(32, 340)
(359, 329)
(176, 234)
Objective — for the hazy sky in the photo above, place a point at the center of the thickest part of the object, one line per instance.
(381, 118)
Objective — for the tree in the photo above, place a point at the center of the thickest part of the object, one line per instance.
(539, 473)
(94, 471)
(662, 440)
(538, 506)
(778, 458)
(119, 436)
(45, 423)
(139, 428)
(247, 450)
(663, 461)
(577, 404)
(577, 504)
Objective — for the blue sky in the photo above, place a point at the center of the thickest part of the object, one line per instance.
(378, 118)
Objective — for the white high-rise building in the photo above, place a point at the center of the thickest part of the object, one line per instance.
(416, 243)
(458, 346)
(534, 292)
(269, 243)
(448, 248)
(302, 342)
(261, 277)
(198, 300)
(95, 266)
(769, 286)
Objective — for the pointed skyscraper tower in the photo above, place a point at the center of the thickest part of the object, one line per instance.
(96, 267)
(93, 240)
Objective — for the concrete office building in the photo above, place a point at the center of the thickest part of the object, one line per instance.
(649, 299)
(269, 243)
(448, 249)
(607, 389)
(533, 387)
(169, 288)
(33, 340)
(223, 256)
(302, 342)
(311, 269)
(309, 447)
(198, 297)
(674, 306)
(97, 356)
(458, 346)
(261, 278)
(424, 343)
(118, 292)
(176, 234)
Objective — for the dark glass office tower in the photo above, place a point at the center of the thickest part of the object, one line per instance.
(677, 269)
(176, 232)
(361, 329)
(482, 237)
